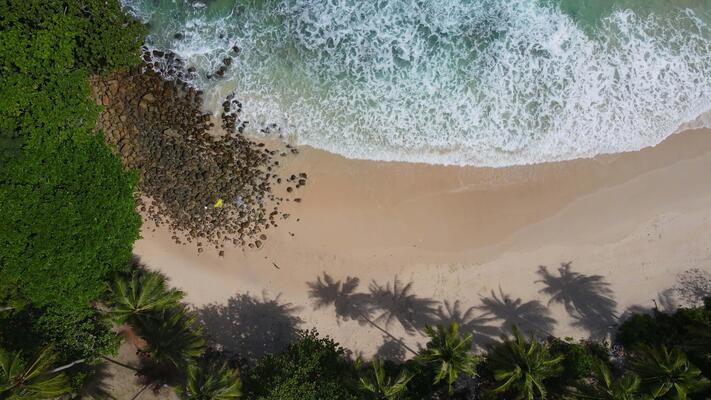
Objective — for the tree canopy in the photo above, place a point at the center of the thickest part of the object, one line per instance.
(66, 202)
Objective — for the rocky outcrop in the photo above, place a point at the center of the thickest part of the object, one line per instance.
(208, 188)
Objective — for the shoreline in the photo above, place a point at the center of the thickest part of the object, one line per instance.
(475, 235)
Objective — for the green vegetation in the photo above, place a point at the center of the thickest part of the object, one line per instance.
(173, 337)
(382, 386)
(66, 202)
(449, 354)
(212, 381)
(667, 373)
(688, 329)
(140, 295)
(521, 367)
(602, 385)
(35, 379)
(310, 369)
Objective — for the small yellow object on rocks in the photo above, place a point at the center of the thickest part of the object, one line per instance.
(219, 203)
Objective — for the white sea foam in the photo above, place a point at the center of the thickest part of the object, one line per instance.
(488, 83)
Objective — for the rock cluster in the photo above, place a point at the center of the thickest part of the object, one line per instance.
(207, 187)
(231, 109)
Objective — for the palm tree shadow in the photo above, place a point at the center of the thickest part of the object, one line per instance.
(349, 304)
(391, 350)
(588, 299)
(531, 317)
(250, 327)
(479, 326)
(388, 303)
(395, 302)
(98, 385)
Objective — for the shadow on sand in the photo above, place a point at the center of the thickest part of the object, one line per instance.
(393, 302)
(588, 299)
(693, 285)
(531, 316)
(250, 326)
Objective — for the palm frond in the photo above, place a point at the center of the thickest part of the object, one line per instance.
(522, 366)
(449, 353)
(382, 386)
(140, 294)
(173, 337)
(34, 380)
(209, 381)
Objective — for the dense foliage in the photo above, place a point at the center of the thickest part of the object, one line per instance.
(312, 368)
(66, 202)
(687, 328)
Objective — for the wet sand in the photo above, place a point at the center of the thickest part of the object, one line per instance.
(628, 226)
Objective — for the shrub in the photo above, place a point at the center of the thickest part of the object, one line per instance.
(313, 368)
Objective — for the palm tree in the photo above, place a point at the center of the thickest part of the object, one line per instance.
(173, 337)
(145, 292)
(384, 387)
(33, 381)
(521, 367)
(449, 353)
(667, 373)
(605, 387)
(211, 381)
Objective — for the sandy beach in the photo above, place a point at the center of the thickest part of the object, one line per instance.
(608, 235)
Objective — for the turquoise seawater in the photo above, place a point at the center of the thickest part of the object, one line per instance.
(467, 82)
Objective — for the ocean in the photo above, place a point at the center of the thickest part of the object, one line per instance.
(457, 82)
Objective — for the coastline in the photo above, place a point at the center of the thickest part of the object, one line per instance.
(475, 235)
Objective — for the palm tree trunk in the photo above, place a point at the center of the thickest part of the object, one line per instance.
(71, 364)
(387, 333)
(111, 360)
(83, 360)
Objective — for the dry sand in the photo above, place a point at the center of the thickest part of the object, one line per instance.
(630, 226)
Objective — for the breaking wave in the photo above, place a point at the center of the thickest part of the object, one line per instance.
(485, 83)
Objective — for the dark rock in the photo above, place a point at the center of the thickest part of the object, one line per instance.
(157, 128)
